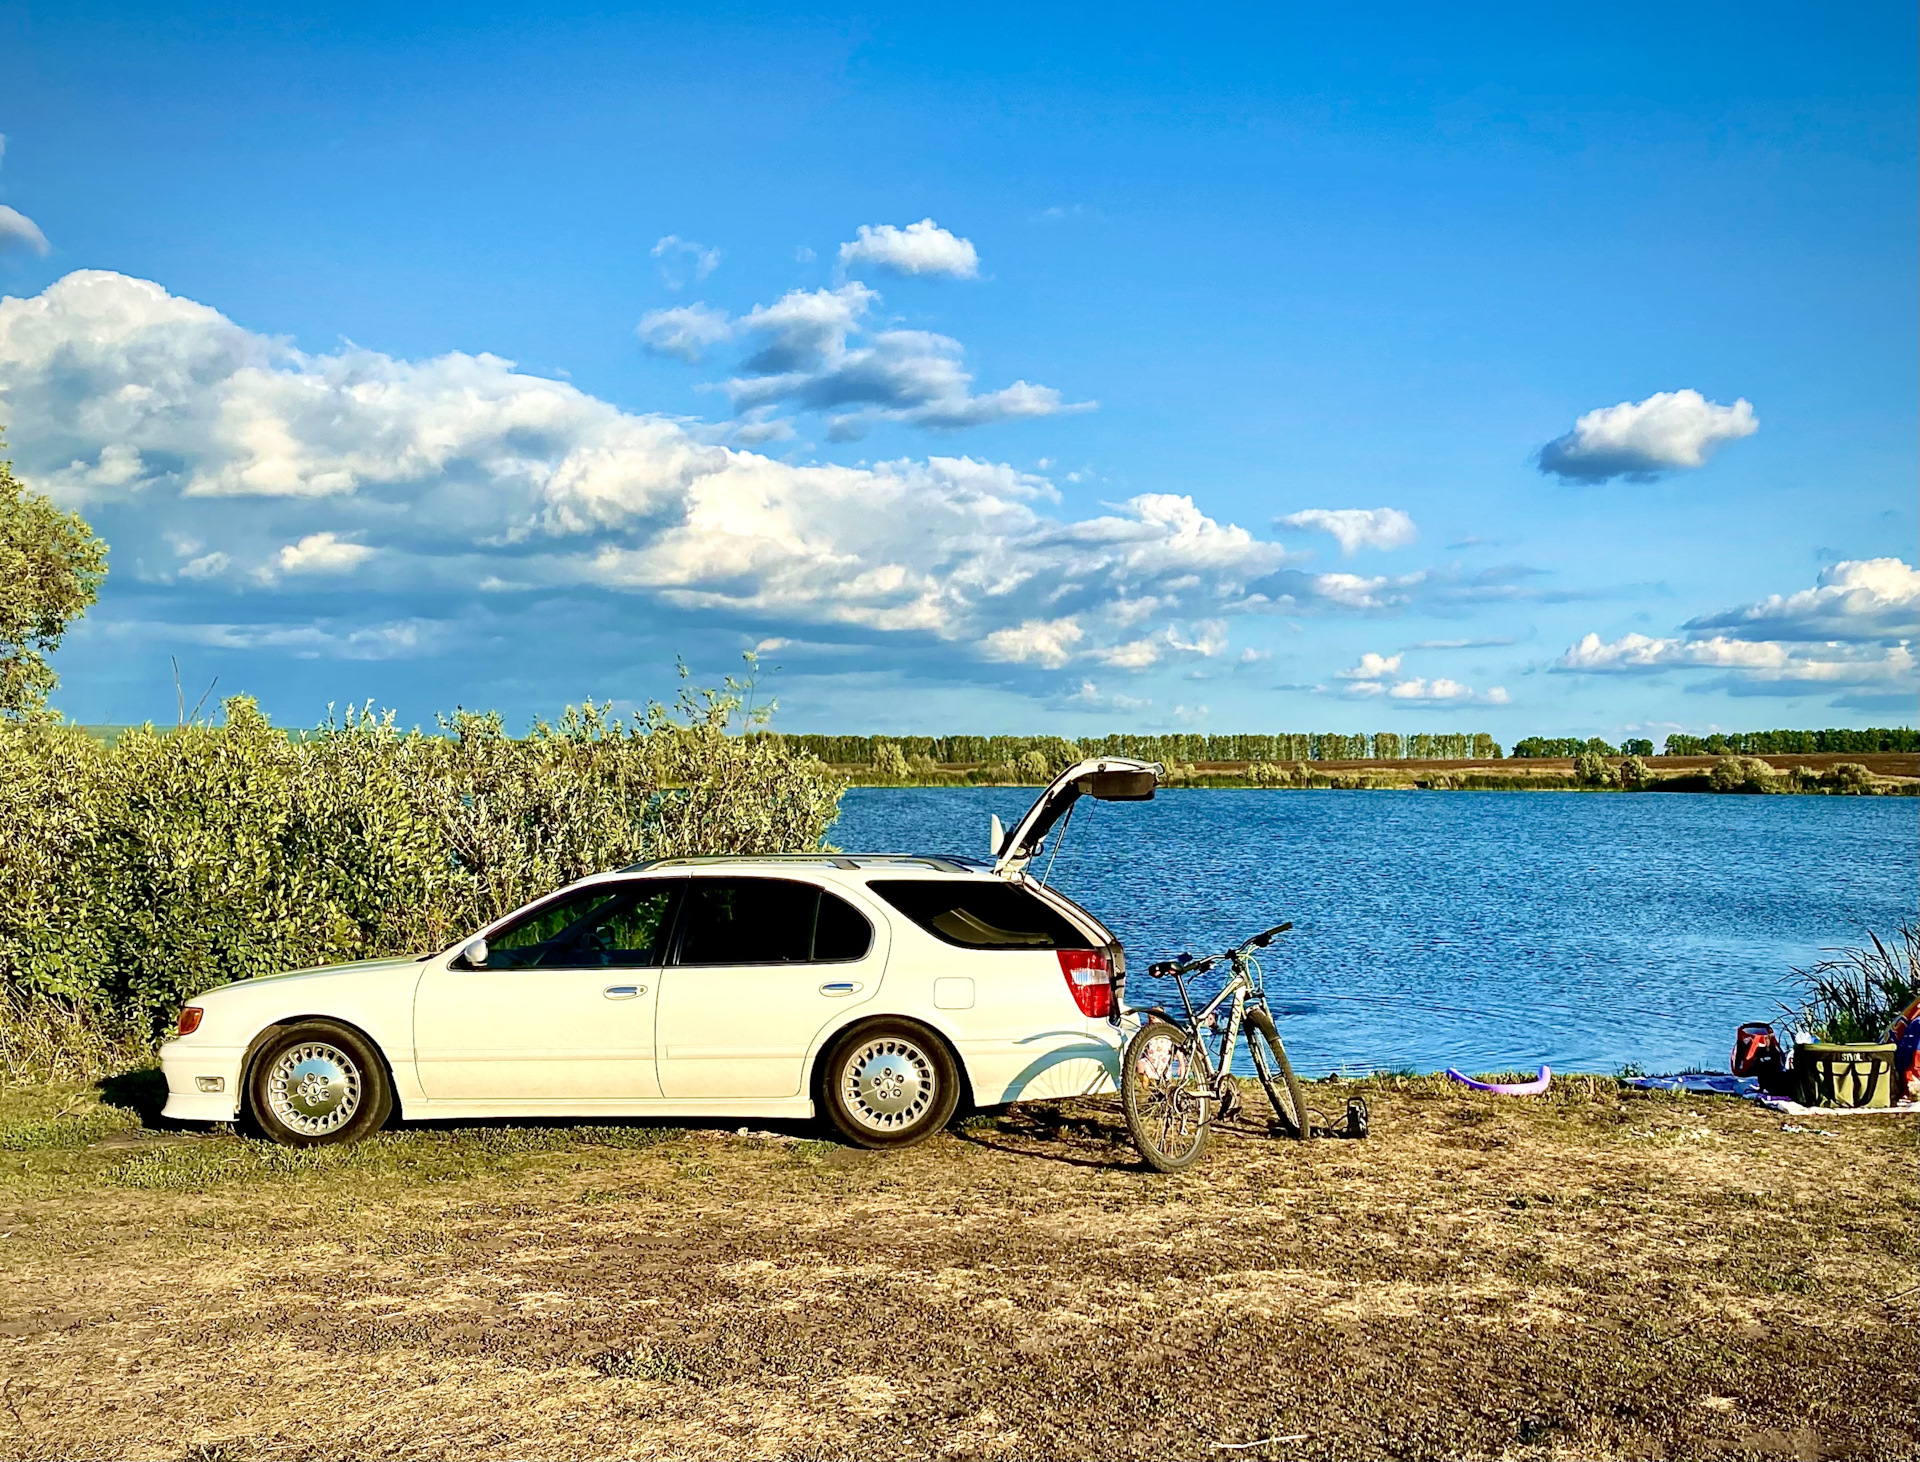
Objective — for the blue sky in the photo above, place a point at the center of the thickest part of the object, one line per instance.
(1537, 371)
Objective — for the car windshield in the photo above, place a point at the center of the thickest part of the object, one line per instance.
(980, 913)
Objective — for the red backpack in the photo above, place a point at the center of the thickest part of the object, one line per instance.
(1755, 1051)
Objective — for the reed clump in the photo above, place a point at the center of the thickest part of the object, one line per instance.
(1855, 993)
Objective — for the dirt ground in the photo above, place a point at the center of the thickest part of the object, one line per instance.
(1600, 1273)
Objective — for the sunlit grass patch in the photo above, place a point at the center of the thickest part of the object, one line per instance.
(430, 1156)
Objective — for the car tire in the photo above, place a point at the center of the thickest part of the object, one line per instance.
(888, 1083)
(316, 1083)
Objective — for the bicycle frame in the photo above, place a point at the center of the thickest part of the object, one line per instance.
(1238, 988)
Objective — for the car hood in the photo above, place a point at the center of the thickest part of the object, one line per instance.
(358, 968)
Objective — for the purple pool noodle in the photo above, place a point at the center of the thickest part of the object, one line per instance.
(1507, 1088)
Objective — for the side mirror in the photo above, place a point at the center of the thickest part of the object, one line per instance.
(475, 954)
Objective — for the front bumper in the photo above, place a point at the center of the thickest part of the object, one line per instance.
(188, 1066)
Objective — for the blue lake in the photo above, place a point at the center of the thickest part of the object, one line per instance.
(1485, 930)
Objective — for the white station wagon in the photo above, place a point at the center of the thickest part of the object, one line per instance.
(879, 990)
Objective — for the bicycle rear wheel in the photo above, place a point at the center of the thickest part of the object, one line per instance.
(1163, 1088)
(1276, 1073)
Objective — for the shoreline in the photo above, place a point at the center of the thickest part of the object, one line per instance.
(1887, 774)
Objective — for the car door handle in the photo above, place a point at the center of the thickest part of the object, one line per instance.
(841, 987)
(623, 992)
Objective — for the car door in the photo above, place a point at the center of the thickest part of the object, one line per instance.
(761, 965)
(563, 1009)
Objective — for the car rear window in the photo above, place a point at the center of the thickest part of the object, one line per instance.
(979, 913)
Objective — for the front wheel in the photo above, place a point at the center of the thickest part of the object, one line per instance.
(316, 1083)
(1276, 1073)
(1164, 1090)
(889, 1084)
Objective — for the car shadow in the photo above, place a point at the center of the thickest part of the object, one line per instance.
(142, 1092)
(1054, 1132)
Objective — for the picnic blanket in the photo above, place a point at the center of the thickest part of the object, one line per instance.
(1716, 1084)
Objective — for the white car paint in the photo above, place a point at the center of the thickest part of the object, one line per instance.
(736, 1040)
(733, 1041)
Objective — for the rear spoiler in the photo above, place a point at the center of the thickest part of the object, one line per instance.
(1104, 778)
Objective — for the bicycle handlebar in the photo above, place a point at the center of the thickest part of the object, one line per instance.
(1186, 964)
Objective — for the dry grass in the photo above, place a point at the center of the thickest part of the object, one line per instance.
(1600, 1273)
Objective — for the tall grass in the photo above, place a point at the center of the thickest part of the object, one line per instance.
(1855, 994)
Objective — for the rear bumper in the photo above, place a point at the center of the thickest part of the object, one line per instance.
(187, 1065)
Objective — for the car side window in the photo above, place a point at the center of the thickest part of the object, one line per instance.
(979, 913)
(763, 921)
(841, 931)
(610, 925)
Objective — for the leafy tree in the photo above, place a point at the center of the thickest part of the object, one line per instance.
(50, 570)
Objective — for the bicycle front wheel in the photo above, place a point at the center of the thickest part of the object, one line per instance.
(1163, 1087)
(1276, 1073)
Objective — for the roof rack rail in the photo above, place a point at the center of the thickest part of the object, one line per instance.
(942, 862)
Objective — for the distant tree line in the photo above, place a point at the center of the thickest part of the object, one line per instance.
(1759, 743)
(1060, 751)
(1538, 746)
(1731, 743)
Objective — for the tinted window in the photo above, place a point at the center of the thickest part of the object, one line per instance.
(763, 921)
(980, 913)
(841, 931)
(610, 924)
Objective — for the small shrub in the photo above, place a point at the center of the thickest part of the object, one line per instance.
(1741, 774)
(1269, 774)
(1634, 774)
(1592, 769)
(1850, 778)
(889, 761)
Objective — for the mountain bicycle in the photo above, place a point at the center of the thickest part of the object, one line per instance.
(1174, 1089)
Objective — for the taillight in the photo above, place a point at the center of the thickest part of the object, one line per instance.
(1090, 978)
(190, 1019)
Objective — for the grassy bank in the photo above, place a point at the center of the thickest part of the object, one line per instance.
(1602, 1272)
(1883, 774)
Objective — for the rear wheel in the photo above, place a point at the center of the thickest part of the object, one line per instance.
(1276, 1073)
(889, 1084)
(1163, 1088)
(317, 1083)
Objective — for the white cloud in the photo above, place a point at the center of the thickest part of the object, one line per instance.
(1378, 675)
(460, 471)
(1035, 642)
(1373, 667)
(1356, 528)
(322, 553)
(1089, 695)
(1855, 628)
(685, 332)
(811, 350)
(1861, 600)
(17, 231)
(919, 248)
(206, 566)
(1440, 689)
(682, 260)
(1668, 431)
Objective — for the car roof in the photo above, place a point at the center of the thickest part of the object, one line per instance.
(943, 863)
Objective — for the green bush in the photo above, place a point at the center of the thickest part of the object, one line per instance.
(1633, 772)
(1591, 769)
(136, 875)
(1742, 774)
